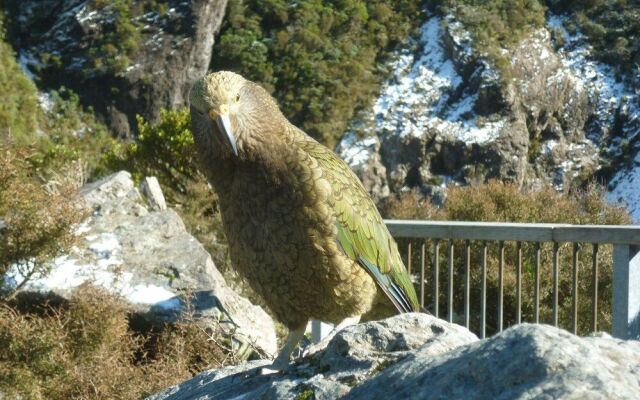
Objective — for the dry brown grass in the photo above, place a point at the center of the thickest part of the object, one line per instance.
(503, 202)
(85, 348)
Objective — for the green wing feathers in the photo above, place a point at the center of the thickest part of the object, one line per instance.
(362, 233)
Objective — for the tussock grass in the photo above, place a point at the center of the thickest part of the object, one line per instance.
(87, 348)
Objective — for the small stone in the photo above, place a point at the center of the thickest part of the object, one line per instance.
(151, 188)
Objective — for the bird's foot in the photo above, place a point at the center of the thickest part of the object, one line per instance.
(278, 365)
(282, 361)
(268, 371)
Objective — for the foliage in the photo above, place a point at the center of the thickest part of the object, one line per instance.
(86, 348)
(20, 113)
(164, 150)
(612, 26)
(496, 25)
(121, 38)
(46, 153)
(73, 135)
(38, 218)
(503, 202)
(318, 58)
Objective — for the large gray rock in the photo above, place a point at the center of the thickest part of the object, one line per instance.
(524, 362)
(416, 356)
(152, 66)
(150, 259)
(354, 355)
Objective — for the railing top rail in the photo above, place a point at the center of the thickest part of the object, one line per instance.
(508, 231)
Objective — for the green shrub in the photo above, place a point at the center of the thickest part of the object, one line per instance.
(120, 40)
(612, 26)
(164, 150)
(39, 218)
(500, 202)
(20, 114)
(73, 135)
(319, 58)
(497, 25)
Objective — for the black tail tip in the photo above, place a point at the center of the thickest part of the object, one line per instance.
(425, 311)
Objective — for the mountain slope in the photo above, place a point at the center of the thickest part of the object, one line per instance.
(448, 115)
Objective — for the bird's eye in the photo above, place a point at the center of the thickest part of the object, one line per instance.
(238, 97)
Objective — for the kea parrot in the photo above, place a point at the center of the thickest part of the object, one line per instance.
(301, 227)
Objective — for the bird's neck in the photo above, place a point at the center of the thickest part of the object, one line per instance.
(215, 162)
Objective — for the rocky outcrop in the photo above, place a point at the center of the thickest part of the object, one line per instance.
(419, 356)
(124, 58)
(524, 362)
(448, 115)
(354, 355)
(148, 257)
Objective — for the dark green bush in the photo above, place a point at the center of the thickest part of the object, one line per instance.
(319, 58)
(497, 25)
(612, 26)
(20, 113)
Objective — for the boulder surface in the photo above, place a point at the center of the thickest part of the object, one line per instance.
(420, 356)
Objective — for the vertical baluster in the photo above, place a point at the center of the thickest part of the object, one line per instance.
(594, 289)
(555, 283)
(450, 302)
(436, 278)
(409, 258)
(467, 281)
(422, 258)
(519, 283)
(500, 284)
(536, 289)
(483, 299)
(574, 302)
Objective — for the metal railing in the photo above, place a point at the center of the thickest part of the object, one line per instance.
(476, 238)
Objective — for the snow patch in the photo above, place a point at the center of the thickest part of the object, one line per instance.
(152, 294)
(26, 60)
(67, 273)
(419, 96)
(357, 152)
(46, 101)
(605, 91)
(608, 95)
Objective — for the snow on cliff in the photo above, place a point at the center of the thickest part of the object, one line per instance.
(608, 95)
(418, 94)
(425, 92)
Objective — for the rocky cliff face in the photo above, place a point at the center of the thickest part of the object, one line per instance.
(419, 356)
(447, 115)
(121, 60)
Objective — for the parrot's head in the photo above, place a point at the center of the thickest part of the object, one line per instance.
(231, 110)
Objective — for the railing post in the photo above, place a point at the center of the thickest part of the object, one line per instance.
(319, 330)
(626, 292)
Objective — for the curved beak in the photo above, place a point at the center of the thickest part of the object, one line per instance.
(221, 117)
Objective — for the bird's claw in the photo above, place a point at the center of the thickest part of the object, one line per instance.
(276, 367)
